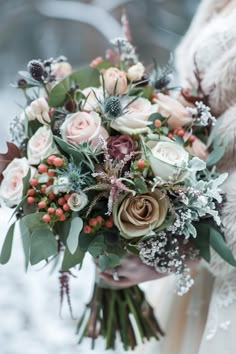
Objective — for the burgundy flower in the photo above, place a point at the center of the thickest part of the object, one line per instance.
(120, 146)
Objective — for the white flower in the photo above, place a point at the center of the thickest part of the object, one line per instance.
(12, 184)
(38, 109)
(77, 201)
(135, 120)
(136, 72)
(40, 145)
(61, 70)
(92, 94)
(60, 185)
(168, 160)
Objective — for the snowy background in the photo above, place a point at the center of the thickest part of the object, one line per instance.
(29, 302)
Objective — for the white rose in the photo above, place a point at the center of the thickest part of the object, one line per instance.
(135, 120)
(168, 160)
(38, 109)
(40, 146)
(92, 94)
(12, 184)
(77, 201)
(136, 72)
(61, 70)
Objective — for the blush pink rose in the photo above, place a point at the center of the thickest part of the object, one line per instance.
(12, 184)
(115, 81)
(61, 70)
(80, 127)
(40, 146)
(38, 109)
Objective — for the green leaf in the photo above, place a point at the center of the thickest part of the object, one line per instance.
(43, 245)
(216, 154)
(147, 92)
(73, 237)
(105, 64)
(85, 77)
(220, 246)
(202, 240)
(69, 149)
(140, 185)
(25, 238)
(156, 116)
(62, 229)
(7, 245)
(108, 261)
(34, 221)
(85, 240)
(71, 260)
(97, 246)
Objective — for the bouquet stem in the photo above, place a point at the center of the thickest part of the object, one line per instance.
(114, 313)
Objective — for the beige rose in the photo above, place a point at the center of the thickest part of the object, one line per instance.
(135, 120)
(38, 110)
(12, 184)
(170, 107)
(80, 127)
(77, 201)
(136, 72)
(115, 81)
(40, 145)
(168, 160)
(136, 216)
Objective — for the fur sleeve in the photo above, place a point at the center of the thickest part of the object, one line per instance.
(218, 266)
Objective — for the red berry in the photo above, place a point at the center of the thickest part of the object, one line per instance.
(62, 217)
(30, 200)
(41, 205)
(180, 133)
(108, 224)
(31, 192)
(33, 182)
(170, 136)
(49, 183)
(192, 138)
(51, 112)
(46, 218)
(66, 207)
(51, 173)
(51, 196)
(51, 210)
(141, 164)
(50, 159)
(93, 222)
(157, 123)
(59, 212)
(42, 168)
(61, 201)
(87, 229)
(99, 218)
(58, 162)
(67, 196)
(154, 95)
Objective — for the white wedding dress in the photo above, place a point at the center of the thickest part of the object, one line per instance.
(204, 320)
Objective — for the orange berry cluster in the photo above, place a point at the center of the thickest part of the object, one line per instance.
(54, 205)
(94, 224)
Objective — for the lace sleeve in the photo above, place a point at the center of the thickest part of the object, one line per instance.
(218, 266)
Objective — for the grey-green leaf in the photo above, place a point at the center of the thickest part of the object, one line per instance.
(71, 260)
(25, 238)
(42, 246)
(73, 237)
(108, 261)
(220, 246)
(7, 245)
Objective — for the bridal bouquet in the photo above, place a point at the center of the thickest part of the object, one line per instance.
(99, 164)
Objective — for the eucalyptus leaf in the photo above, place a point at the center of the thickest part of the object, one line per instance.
(42, 246)
(108, 261)
(25, 238)
(202, 240)
(220, 246)
(73, 237)
(140, 185)
(69, 149)
(97, 246)
(71, 260)
(7, 245)
(216, 154)
(34, 221)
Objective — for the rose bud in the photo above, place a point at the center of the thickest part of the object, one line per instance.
(115, 81)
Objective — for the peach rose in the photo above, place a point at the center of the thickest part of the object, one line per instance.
(135, 119)
(170, 107)
(38, 109)
(61, 70)
(80, 127)
(115, 81)
(40, 146)
(12, 184)
(136, 216)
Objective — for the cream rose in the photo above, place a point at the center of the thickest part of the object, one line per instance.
(12, 184)
(170, 107)
(61, 70)
(92, 94)
(135, 119)
(80, 127)
(136, 72)
(77, 201)
(115, 81)
(136, 216)
(38, 109)
(168, 160)
(40, 146)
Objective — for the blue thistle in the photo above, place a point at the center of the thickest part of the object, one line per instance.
(76, 178)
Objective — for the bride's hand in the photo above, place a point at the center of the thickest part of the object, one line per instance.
(131, 271)
(198, 149)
